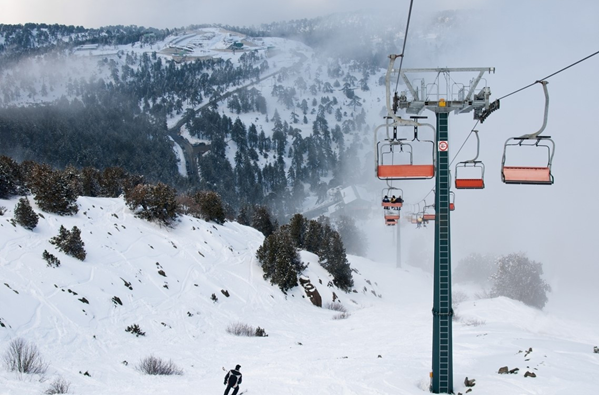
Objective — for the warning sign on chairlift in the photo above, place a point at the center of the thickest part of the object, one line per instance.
(443, 146)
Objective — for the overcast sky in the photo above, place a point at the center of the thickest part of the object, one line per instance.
(179, 13)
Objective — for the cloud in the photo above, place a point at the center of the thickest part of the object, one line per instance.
(178, 13)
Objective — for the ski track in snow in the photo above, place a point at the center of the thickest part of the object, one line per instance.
(307, 351)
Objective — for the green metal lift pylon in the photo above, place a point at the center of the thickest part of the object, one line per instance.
(414, 101)
(442, 369)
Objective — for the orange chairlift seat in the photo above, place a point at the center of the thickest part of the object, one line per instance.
(395, 159)
(533, 175)
(391, 220)
(472, 175)
(452, 202)
(427, 216)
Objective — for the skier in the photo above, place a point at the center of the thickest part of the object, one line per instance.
(232, 380)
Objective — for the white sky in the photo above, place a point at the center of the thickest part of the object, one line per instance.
(178, 13)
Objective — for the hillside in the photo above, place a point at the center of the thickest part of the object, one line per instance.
(287, 118)
(383, 347)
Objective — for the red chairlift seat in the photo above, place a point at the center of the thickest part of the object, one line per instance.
(428, 217)
(533, 175)
(405, 171)
(469, 183)
(470, 180)
(394, 160)
(527, 175)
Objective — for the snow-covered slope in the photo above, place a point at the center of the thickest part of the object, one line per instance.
(383, 347)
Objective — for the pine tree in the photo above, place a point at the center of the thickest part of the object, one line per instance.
(210, 206)
(24, 214)
(53, 191)
(262, 221)
(298, 229)
(70, 242)
(153, 202)
(333, 258)
(11, 180)
(280, 260)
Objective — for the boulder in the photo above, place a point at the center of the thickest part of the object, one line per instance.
(311, 291)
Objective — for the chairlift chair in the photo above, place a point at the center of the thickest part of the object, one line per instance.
(468, 181)
(427, 216)
(452, 201)
(532, 175)
(395, 159)
(389, 192)
(391, 210)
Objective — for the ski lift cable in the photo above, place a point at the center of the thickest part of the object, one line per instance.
(523, 88)
(550, 75)
(405, 39)
(503, 97)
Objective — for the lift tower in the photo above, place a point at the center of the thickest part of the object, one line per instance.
(442, 95)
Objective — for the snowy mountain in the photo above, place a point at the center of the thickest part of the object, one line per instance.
(166, 281)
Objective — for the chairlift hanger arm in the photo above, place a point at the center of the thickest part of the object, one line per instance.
(477, 147)
(535, 135)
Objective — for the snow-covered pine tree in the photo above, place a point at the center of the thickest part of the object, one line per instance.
(24, 214)
(261, 220)
(52, 190)
(279, 259)
(11, 181)
(70, 242)
(333, 258)
(153, 202)
(210, 206)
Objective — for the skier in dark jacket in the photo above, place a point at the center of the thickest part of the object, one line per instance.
(232, 380)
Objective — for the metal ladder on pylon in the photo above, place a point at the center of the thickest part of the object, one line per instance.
(442, 376)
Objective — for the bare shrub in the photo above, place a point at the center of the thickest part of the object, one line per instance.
(58, 386)
(336, 307)
(241, 329)
(458, 297)
(474, 322)
(341, 316)
(482, 295)
(24, 357)
(156, 366)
